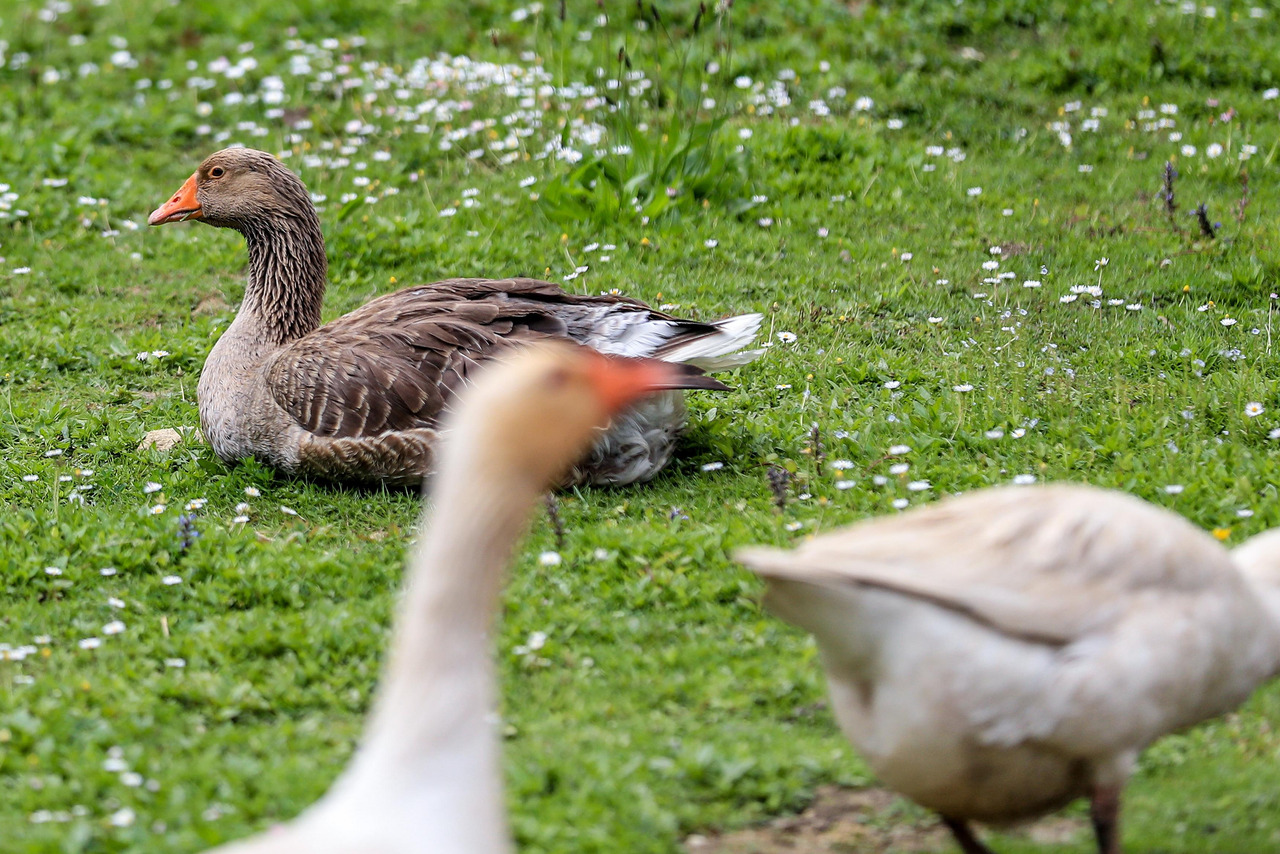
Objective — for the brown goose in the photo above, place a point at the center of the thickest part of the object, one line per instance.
(359, 399)
(426, 778)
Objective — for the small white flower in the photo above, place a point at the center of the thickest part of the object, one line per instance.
(974, 191)
(794, 526)
(239, 520)
(123, 817)
(787, 337)
(158, 509)
(918, 486)
(132, 779)
(1228, 321)
(899, 468)
(90, 643)
(151, 486)
(899, 450)
(892, 384)
(711, 243)
(900, 503)
(30, 478)
(114, 627)
(252, 491)
(175, 662)
(844, 484)
(962, 387)
(842, 465)
(716, 466)
(549, 558)
(994, 434)
(170, 580)
(1024, 479)
(107, 571)
(288, 511)
(1253, 409)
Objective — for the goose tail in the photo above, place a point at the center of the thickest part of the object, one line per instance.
(722, 348)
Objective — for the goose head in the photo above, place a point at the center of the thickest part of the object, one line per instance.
(532, 415)
(1259, 561)
(238, 188)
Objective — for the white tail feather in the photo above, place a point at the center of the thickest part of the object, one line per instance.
(723, 350)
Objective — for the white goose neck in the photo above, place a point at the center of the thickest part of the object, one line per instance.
(432, 739)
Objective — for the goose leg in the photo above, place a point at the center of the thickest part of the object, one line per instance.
(969, 843)
(1104, 809)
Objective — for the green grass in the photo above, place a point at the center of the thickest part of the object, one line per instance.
(664, 701)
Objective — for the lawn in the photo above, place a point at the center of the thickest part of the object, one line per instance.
(955, 216)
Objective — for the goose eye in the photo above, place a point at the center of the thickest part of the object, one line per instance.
(557, 379)
(217, 172)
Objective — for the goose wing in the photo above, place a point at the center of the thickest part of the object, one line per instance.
(395, 363)
(1049, 564)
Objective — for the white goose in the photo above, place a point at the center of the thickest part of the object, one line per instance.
(426, 777)
(997, 655)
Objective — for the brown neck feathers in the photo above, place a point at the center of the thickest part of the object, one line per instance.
(288, 272)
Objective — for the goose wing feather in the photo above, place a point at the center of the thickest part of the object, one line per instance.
(1048, 564)
(394, 363)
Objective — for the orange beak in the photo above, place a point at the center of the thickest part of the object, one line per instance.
(183, 206)
(621, 382)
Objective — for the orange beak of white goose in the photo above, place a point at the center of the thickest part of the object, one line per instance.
(183, 206)
(621, 382)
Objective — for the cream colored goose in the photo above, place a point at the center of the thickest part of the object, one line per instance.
(360, 398)
(426, 776)
(997, 655)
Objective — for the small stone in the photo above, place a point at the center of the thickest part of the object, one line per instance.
(165, 438)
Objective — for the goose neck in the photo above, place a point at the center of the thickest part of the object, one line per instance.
(288, 272)
(432, 725)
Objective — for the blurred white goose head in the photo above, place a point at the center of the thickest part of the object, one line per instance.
(533, 415)
(1259, 562)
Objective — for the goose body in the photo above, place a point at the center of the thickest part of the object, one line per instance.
(360, 398)
(426, 778)
(1000, 654)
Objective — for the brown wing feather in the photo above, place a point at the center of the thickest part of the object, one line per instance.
(394, 363)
